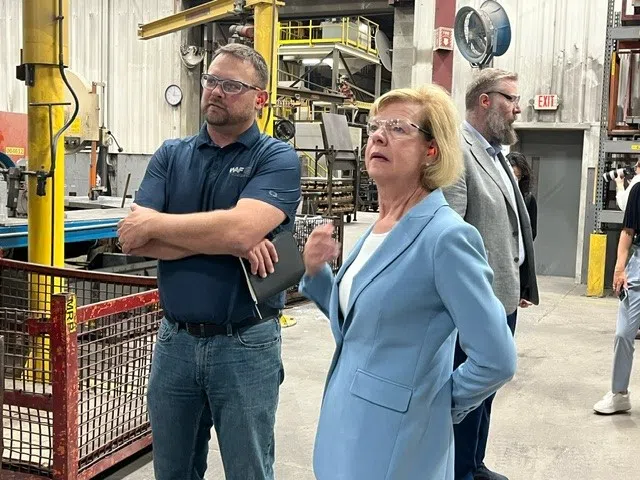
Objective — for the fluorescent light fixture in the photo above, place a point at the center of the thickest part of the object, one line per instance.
(316, 61)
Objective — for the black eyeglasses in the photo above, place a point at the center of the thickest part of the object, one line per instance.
(515, 99)
(230, 87)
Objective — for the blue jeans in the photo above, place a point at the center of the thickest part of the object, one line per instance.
(472, 433)
(229, 382)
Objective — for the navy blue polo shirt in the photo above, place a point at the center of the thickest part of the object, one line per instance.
(193, 174)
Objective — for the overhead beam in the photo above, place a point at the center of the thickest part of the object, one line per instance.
(333, 8)
(192, 17)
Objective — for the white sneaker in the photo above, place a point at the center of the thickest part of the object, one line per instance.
(613, 403)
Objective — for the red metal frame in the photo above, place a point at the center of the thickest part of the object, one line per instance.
(63, 402)
(116, 458)
(113, 307)
(131, 280)
(9, 475)
(64, 384)
(1, 397)
(35, 401)
(633, 19)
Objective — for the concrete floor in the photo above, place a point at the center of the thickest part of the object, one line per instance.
(543, 426)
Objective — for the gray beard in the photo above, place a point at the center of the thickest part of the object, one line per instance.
(499, 130)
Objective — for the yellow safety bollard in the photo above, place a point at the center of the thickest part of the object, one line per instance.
(597, 259)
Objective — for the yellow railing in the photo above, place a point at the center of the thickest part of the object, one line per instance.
(311, 166)
(357, 32)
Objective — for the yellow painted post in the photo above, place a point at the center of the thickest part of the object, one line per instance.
(265, 42)
(40, 48)
(597, 259)
(41, 43)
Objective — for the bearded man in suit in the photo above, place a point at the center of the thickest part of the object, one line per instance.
(487, 196)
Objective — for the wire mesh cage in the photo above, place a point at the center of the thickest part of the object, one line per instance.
(75, 373)
(302, 230)
(78, 348)
(114, 362)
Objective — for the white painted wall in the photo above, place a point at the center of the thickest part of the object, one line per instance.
(104, 47)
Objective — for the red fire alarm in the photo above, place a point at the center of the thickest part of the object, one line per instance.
(443, 38)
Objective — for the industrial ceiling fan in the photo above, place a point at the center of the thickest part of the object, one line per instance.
(483, 33)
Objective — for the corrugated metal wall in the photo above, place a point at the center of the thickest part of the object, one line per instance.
(557, 47)
(13, 94)
(104, 47)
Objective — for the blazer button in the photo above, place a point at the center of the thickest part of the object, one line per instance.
(515, 234)
(516, 259)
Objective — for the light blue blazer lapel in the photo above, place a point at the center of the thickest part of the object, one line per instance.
(399, 239)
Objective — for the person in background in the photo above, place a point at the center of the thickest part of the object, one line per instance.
(622, 193)
(487, 196)
(626, 284)
(206, 200)
(524, 176)
(415, 279)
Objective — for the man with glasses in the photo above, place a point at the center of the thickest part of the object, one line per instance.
(204, 201)
(488, 197)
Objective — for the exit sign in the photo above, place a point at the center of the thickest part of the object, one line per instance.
(546, 102)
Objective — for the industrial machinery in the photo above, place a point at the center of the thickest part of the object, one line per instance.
(86, 131)
(333, 195)
(332, 59)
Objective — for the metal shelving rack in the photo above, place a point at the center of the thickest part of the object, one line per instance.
(619, 146)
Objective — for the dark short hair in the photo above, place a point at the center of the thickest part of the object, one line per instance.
(247, 54)
(517, 159)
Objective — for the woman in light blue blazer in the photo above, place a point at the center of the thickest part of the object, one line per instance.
(417, 277)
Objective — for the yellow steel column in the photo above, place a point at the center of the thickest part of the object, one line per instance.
(41, 55)
(41, 48)
(597, 259)
(265, 42)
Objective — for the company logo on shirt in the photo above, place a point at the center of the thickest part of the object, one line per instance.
(238, 171)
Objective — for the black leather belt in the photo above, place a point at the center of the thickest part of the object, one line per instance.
(212, 329)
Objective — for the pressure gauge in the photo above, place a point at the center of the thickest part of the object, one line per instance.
(173, 95)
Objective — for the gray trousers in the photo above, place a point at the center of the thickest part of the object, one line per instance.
(627, 327)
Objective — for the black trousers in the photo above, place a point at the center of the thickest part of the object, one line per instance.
(471, 434)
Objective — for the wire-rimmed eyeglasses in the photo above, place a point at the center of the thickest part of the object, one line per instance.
(396, 128)
(230, 87)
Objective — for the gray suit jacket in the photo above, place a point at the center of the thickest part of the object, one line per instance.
(482, 199)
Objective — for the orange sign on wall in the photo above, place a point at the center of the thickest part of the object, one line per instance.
(14, 135)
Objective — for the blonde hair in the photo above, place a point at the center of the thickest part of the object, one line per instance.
(440, 117)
